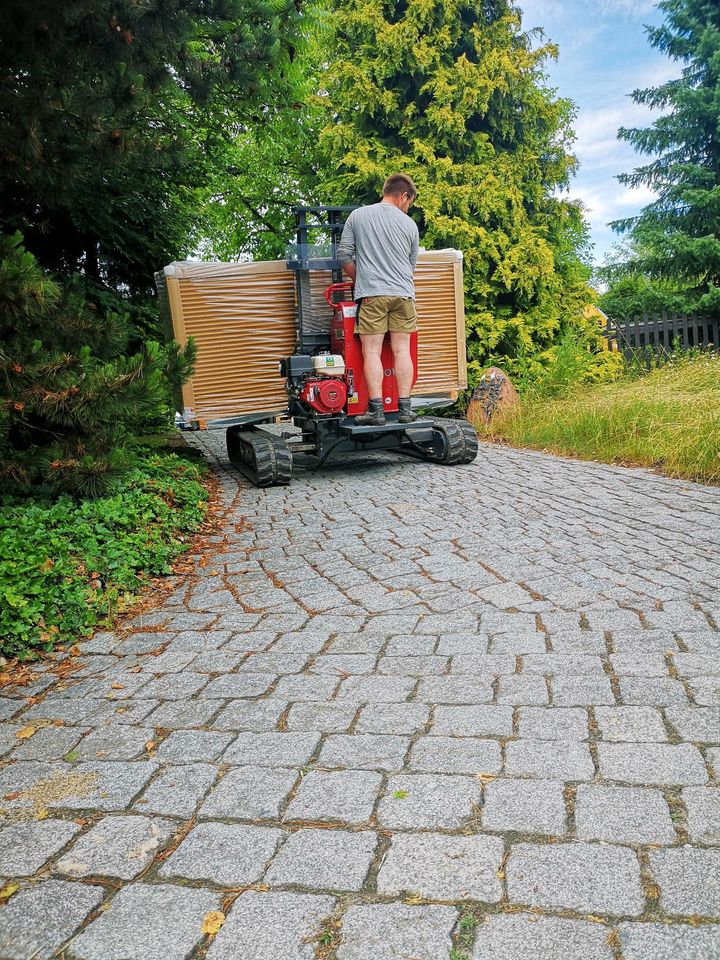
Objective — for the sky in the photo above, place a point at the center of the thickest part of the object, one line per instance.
(604, 55)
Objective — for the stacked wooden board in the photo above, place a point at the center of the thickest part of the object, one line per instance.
(242, 317)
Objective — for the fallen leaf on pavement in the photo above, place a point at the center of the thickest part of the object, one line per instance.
(212, 922)
(25, 733)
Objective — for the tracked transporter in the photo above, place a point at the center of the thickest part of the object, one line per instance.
(278, 340)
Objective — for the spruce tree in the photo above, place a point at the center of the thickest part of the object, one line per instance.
(71, 397)
(452, 92)
(111, 112)
(676, 238)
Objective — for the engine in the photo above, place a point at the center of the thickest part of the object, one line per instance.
(326, 395)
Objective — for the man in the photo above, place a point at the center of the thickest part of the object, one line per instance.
(378, 251)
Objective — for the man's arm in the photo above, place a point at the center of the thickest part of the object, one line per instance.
(346, 248)
(414, 249)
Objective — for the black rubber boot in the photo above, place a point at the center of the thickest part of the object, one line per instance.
(374, 415)
(405, 414)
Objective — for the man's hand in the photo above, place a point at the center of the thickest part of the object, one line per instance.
(350, 270)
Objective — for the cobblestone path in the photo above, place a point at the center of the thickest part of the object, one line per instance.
(406, 712)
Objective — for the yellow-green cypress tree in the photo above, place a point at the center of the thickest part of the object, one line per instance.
(453, 92)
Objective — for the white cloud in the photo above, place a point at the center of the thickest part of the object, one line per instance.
(634, 8)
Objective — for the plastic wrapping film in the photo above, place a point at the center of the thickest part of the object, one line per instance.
(242, 317)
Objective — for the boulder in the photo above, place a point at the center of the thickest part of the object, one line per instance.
(494, 394)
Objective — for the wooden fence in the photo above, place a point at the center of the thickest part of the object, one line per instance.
(661, 333)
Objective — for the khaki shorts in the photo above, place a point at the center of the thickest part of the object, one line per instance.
(380, 314)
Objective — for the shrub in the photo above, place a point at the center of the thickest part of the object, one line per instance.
(65, 567)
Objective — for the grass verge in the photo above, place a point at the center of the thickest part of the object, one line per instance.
(668, 419)
(67, 567)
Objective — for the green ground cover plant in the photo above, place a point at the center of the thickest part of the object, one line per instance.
(667, 418)
(66, 566)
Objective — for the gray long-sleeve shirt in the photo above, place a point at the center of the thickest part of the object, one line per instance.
(383, 242)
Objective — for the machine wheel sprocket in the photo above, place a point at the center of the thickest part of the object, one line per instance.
(265, 460)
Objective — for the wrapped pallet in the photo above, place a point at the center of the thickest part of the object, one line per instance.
(243, 318)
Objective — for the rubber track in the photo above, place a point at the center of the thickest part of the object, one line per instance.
(271, 458)
(470, 440)
(454, 442)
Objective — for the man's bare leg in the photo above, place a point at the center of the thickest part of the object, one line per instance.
(404, 370)
(372, 363)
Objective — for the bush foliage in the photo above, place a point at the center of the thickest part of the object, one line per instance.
(66, 566)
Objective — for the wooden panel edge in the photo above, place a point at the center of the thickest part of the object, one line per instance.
(460, 322)
(178, 322)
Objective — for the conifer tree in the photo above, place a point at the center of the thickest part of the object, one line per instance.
(676, 238)
(452, 92)
(70, 395)
(110, 114)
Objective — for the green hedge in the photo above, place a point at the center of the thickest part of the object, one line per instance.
(65, 566)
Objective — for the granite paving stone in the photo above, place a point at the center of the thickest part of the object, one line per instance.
(553, 723)
(631, 724)
(238, 685)
(455, 755)
(228, 854)
(695, 724)
(388, 931)
(636, 815)
(249, 793)
(94, 786)
(305, 687)
(581, 691)
(483, 665)
(133, 711)
(327, 717)
(38, 920)
(529, 937)
(258, 715)
(376, 689)
(439, 867)
(323, 860)
(117, 846)
(395, 718)
(653, 691)
(563, 665)
(652, 763)
(50, 743)
(706, 691)
(189, 746)
(274, 663)
(182, 714)
(364, 751)
(343, 796)
(703, 814)
(561, 759)
(147, 922)
(177, 790)
(522, 689)
(25, 847)
(455, 689)
(587, 877)
(8, 708)
(427, 801)
(660, 941)
(689, 880)
(115, 742)
(272, 926)
(524, 806)
(276, 749)
(464, 721)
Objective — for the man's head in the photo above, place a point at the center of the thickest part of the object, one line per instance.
(399, 190)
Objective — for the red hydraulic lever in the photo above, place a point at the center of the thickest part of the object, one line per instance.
(333, 288)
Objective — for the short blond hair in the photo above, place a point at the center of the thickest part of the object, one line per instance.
(399, 183)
